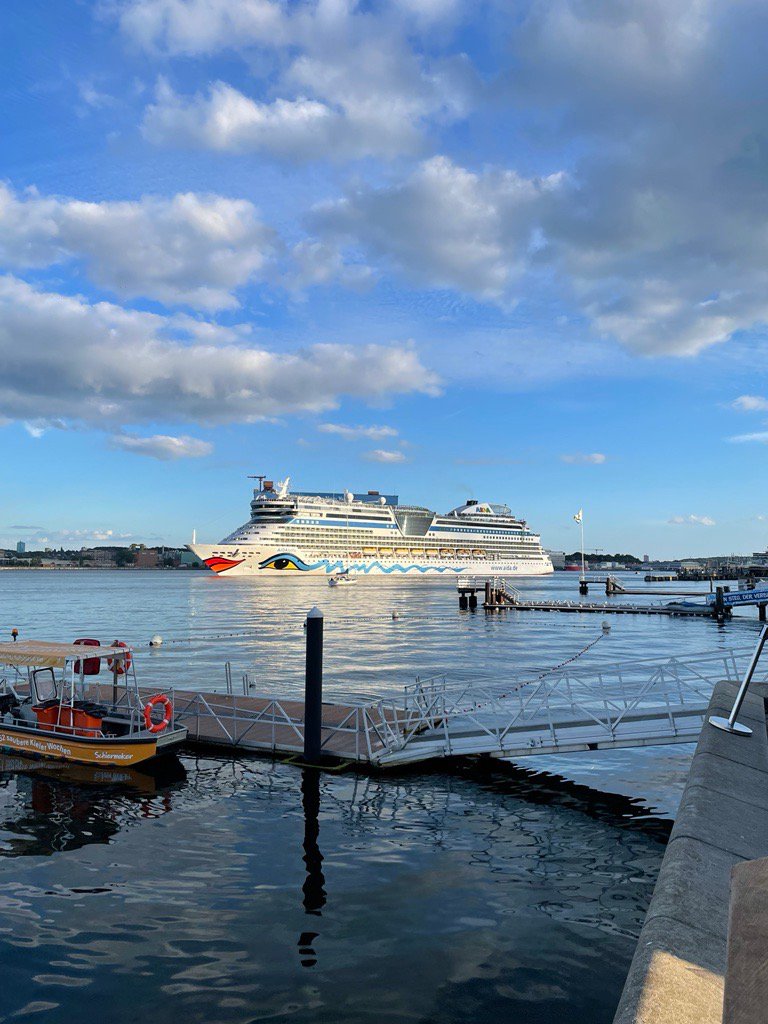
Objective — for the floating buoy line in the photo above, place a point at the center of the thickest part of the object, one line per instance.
(267, 631)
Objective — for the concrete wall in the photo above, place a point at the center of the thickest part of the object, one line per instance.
(677, 973)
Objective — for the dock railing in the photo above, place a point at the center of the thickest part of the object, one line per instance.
(648, 697)
(353, 731)
(626, 703)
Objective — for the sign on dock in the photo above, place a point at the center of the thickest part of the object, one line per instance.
(741, 597)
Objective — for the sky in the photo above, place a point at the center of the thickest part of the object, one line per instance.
(515, 251)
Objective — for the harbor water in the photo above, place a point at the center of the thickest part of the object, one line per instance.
(249, 890)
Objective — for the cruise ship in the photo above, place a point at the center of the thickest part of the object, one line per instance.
(372, 534)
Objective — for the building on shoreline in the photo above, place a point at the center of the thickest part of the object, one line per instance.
(137, 556)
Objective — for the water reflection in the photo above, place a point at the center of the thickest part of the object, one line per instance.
(47, 808)
(313, 889)
(479, 894)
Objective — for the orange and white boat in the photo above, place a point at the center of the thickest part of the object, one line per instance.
(51, 705)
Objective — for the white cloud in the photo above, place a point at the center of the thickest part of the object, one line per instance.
(353, 433)
(206, 27)
(227, 120)
(750, 403)
(326, 118)
(191, 249)
(760, 437)
(444, 226)
(97, 363)
(162, 446)
(383, 455)
(93, 97)
(661, 238)
(584, 458)
(691, 520)
(196, 27)
(317, 263)
(346, 82)
(652, 223)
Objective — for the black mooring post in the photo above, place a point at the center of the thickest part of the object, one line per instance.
(313, 687)
(719, 612)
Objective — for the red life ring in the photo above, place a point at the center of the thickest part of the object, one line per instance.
(123, 664)
(159, 698)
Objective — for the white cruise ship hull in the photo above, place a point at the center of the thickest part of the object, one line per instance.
(252, 560)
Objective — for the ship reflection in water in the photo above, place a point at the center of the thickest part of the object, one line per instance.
(245, 890)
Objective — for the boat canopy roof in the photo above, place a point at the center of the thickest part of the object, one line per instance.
(44, 654)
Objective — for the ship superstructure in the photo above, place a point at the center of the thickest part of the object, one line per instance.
(372, 534)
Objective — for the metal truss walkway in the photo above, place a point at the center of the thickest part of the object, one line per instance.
(624, 705)
(569, 709)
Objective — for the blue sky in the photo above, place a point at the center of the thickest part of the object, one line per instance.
(514, 251)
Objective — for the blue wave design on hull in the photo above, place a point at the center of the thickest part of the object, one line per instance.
(296, 563)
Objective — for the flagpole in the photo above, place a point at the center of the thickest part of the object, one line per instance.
(583, 570)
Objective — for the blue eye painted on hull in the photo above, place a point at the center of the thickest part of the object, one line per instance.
(285, 563)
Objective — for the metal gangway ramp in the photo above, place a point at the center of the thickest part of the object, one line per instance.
(561, 710)
(627, 704)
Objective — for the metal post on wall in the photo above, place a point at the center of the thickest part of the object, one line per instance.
(730, 724)
(313, 687)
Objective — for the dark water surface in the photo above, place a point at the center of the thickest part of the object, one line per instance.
(242, 890)
(222, 895)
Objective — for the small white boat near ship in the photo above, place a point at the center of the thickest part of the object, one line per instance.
(341, 579)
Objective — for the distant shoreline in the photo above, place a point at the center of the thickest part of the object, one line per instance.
(95, 568)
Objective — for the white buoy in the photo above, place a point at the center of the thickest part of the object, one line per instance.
(395, 614)
(156, 641)
(606, 626)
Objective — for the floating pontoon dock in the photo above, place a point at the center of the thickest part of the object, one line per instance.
(570, 709)
(499, 595)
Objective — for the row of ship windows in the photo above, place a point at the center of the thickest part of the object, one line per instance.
(302, 531)
(321, 537)
(297, 537)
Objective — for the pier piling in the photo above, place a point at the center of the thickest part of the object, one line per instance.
(313, 687)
